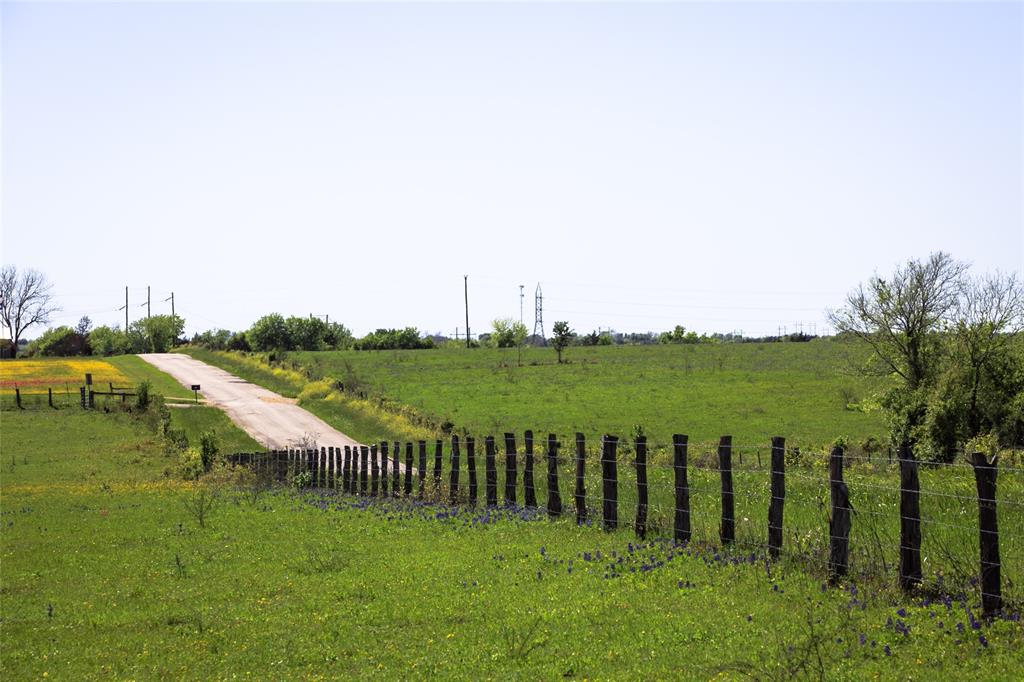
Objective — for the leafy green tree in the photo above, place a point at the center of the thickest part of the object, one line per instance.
(155, 334)
(270, 332)
(951, 347)
(562, 338)
(108, 341)
(59, 342)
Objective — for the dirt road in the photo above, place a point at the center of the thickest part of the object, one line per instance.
(273, 420)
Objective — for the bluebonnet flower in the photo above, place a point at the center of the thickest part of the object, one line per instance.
(888, 651)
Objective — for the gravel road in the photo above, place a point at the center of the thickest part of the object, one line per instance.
(271, 419)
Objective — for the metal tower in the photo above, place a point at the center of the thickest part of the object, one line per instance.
(538, 318)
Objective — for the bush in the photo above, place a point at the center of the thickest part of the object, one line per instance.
(190, 464)
(209, 448)
(142, 395)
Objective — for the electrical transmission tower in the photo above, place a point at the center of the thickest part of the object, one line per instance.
(538, 318)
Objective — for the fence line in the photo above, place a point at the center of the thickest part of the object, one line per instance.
(845, 539)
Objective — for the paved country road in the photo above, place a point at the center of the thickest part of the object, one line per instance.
(273, 420)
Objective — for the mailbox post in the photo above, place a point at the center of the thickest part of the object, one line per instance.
(195, 389)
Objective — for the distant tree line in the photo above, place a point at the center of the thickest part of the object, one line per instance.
(155, 334)
(274, 332)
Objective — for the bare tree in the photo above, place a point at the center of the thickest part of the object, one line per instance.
(26, 298)
(899, 317)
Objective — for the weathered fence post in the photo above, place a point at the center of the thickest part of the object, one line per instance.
(17, 396)
(681, 525)
(422, 469)
(81, 391)
(910, 520)
(471, 468)
(438, 453)
(364, 456)
(641, 486)
(580, 496)
(610, 480)
(330, 466)
(374, 471)
(778, 496)
(384, 468)
(453, 483)
(407, 489)
(839, 523)
(396, 470)
(490, 473)
(988, 533)
(554, 496)
(727, 532)
(346, 470)
(314, 468)
(529, 488)
(49, 393)
(510, 469)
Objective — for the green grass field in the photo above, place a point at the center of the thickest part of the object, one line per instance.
(107, 573)
(804, 391)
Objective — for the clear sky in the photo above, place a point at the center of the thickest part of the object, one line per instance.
(722, 166)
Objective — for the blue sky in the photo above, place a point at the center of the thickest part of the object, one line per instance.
(722, 166)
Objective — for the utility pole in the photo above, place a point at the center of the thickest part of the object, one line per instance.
(171, 299)
(147, 302)
(466, 284)
(125, 308)
(520, 304)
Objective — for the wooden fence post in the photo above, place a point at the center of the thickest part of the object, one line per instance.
(438, 447)
(681, 525)
(314, 469)
(384, 452)
(641, 486)
(610, 481)
(396, 469)
(374, 471)
(423, 467)
(910, 520)
(81, 391)
(580, 497)
(727, 533)
(346, 470)
(471, 468)
(510, 469)
(778, 496)
(17, 396)
(364, 456)
(330, 465)
(453, 483)
(490, 473)
(529, 488)
(988, 533)
(49, 393)
(554, 496)
(839, 523)
(407, 488)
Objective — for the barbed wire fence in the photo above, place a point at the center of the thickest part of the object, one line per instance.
(933, 527)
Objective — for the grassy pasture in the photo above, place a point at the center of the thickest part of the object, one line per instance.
(803, 391)
(106, 573)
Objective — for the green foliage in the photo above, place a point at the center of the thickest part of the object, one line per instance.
(108, 341)
(562, 338)
(275, 333)
(394, 339)
(60, 342)
(209, 448)
(680, 335)
(142, 395)
(508, 333)
(155, 334)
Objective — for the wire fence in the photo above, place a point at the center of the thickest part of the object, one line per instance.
(931, 527)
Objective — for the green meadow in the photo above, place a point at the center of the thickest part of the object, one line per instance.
(108, 572)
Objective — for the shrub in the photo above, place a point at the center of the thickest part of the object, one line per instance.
(209, 448)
